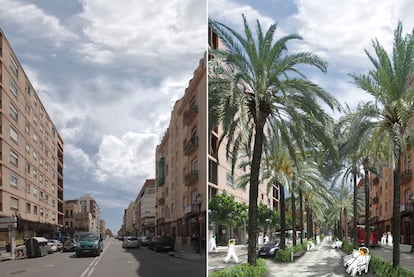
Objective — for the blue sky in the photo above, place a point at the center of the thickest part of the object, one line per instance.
(337, 31)
(108, 74)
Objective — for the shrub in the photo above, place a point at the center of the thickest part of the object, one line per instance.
(243, 270)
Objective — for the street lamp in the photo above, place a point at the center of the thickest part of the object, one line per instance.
(199, 201)
(268, 221)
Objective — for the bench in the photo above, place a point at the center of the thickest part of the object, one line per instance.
(298, 254)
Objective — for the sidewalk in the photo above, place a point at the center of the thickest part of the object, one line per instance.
(187, 252)
(322, 261)
(406, 257)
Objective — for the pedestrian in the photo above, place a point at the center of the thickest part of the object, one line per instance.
(384, 239)
(231, 252)
(389, 239)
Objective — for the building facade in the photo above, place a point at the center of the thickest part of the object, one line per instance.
(181, 165)
(31, 162)
(145, 209)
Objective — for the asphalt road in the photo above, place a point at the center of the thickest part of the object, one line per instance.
(114, 261)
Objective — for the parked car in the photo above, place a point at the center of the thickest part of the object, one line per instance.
(160, 243)
(144, 240)
(69, 245)
(130, 242)
(269, 249)
(54, 245)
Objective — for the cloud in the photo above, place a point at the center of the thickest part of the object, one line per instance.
(35, 22)
(122, 160)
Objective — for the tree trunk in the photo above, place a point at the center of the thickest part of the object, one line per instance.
(301, 215)
(366, 184)
(293, 218)
(355, 231)
(396, 213)
(282, 217)
(254, 191)
(346, 224)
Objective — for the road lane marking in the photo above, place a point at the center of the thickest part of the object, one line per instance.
(91, 267)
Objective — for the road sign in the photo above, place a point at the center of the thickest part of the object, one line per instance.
(11, 219)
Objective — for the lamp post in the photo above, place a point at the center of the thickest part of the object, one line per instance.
(268, 221)
(199, 202)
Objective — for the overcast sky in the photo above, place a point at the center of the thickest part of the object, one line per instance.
(337, 31)
(108, 74)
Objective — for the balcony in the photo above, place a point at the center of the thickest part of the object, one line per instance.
(375, 200)
(161, 201)
(406, 176)
(190, 145)
(190, 114)
(191, 178)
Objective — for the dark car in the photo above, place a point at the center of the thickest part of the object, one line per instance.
(269, 249)
(162, 243)
(69, 245)
(144, 240)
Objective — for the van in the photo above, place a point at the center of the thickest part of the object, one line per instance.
(89, 243)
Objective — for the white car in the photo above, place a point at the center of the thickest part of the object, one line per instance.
(130, 242)
(53, 245)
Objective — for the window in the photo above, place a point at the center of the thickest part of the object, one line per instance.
(229, 179)
(41, 211)
(35, 210)
(14, 204)
(27, 188)
(13, 112)
(13, 181)
(13, 88)
(28, 208)
(53, 203)
(13, 134)
(27, 128)
(14, 67)
(27, 148)
(194, 165)
(28, 168)
(27, 89)
(34, 191)
(13, 158)
(35, 173)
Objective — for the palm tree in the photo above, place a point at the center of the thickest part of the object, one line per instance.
(353, 133)
(390, 82)
(252, 80)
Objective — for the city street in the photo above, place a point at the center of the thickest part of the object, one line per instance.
(321, 261)
(114, 261)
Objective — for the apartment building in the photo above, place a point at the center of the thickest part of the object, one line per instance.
(82, 215)
(31, 154)
(221, 178)
(381, 199)
(89, 205)
(181, 165)
(145, 209)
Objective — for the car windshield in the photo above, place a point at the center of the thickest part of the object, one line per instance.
(88, 237)
(272, 242)
(68, 242)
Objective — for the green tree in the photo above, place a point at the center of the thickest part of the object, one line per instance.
(390, 82)
(254, 79)
(224, 210)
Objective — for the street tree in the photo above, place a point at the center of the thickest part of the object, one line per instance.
(390, 82)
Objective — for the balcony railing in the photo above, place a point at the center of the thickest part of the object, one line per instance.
(191, 178)
(190, 145)
(190, 114)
